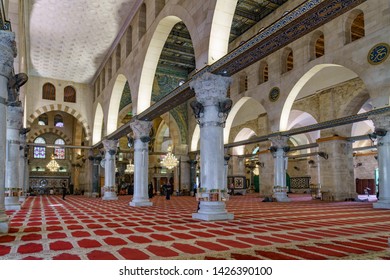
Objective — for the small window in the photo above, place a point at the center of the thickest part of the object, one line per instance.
(290, 61)
(69, 94)
(43, 119)
(59, 153)
(58, 121)
(357, 27)
(39, 151)
(320, 46)
(49, 91)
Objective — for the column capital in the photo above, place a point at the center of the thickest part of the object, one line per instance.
(14, 117)
(110, 146)
(8, 52)
(210, 89)
(381, 121)
(141, 129)
(279, 141)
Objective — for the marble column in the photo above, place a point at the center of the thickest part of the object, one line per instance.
(141, 130)
(382, 130)
(337, 173)
(110, 189)
(210, 92)
(23, 165)
(7, 54)
(14, 124)
(279, 147)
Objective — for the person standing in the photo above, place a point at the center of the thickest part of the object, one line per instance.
(64, 190)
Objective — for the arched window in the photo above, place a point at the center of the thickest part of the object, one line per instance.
(69, 94)
(142, 21)
(129, 40)
(49, 91)
(357, 27)
(59, 152)
(58, 121)
(263, 72)
(320, 46)
(287, 60)
(243, 83)
(39, 151)
(43, 119)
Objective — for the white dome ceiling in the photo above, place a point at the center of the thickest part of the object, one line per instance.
(70, 39)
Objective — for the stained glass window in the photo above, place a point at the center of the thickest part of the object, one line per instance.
(59, 153)
(39, 151)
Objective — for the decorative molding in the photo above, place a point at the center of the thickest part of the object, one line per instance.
(274, 94)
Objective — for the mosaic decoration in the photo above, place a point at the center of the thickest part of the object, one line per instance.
(378, 53)
(274, 94)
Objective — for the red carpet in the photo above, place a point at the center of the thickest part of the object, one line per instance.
(82, 228)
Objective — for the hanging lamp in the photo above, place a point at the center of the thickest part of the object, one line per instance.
(169, 161)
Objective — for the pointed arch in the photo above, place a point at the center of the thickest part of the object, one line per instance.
(97, 124)
(115, 100)
(243, 134)
(195, 139)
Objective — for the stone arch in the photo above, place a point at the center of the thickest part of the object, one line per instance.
(53, 130)
(220, 29)
(63, 108)
(298, 118)
(318, 77)
(244, 134)
(174, 132)
(195, 139)
(115, 99)
(97, 124)
(247, 104)
(152, 56)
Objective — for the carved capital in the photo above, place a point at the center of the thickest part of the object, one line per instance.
(8, 52)
(141, 129)
(110, 146)
(381, 121)
(279, 142)
(210, 89)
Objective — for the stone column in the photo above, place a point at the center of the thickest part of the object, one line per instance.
(337, 174)
(266, 176)
(382, 130)
(110, 189)
(141, 130)
(23, 165)
(279, 148)
(315, 173)
(12, 186)
(7, 54)
(211, 109)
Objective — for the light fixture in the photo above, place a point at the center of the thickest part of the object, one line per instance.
(129, 168)
(53, 165)
(169, 161)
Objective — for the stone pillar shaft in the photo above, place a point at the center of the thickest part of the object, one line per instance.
(337, 174)
(141, 130)
(14, 124)
(110, 147)
(210, 94)
(7, 54)
(279, 147)
(382, 130)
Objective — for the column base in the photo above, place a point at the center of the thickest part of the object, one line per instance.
(212, 211)
(110, 196)
(4, 224)
(281, 197)
(141, 203)
(12, 203)
(382, 204)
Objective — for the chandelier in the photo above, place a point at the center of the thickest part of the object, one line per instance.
(129, 168)
(53, 165)
(169, 161)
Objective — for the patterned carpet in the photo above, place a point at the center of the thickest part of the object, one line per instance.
(91, 229)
